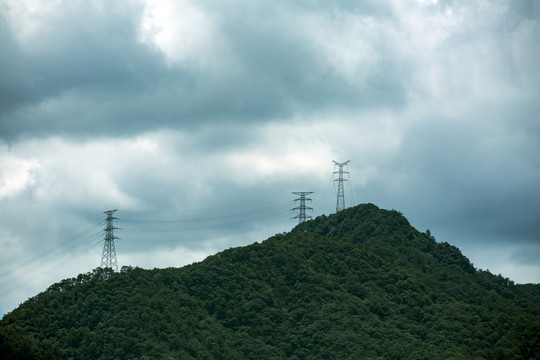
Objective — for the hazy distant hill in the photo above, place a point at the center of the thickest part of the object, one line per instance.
(358, 284)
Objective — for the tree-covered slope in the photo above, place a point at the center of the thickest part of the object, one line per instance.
(361, 283)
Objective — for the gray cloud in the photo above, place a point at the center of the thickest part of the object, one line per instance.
(197, 120)
(91, 72)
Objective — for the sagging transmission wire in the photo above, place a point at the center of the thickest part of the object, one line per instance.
(42, 262)
(61, 252)
(213, 218)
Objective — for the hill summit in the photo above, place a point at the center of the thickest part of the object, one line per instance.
(358, 284)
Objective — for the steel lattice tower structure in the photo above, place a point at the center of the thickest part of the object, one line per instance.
(340, 204)
(108, 258)
(302, 217)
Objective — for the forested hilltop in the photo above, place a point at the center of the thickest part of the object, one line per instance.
(359, 284)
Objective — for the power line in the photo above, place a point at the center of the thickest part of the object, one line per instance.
(39, 260)
(9, 279)
(205, 224)
(199, 220)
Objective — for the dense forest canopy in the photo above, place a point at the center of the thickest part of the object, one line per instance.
(362, 283)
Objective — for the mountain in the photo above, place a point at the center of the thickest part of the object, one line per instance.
(358, 284)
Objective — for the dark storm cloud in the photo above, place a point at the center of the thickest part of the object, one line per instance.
(87, 58)
(89, 73)
(481, 182)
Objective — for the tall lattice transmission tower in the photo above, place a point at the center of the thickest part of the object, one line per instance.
(108, 258)
(340, 204)
(302, 217)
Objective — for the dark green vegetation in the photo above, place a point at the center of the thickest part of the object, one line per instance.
(359, 284)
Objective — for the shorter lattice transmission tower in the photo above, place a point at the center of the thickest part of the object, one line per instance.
(340, 204)
(302, 216)
(108, 258)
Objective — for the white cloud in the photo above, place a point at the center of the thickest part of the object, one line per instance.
(30, 20)
(349, 43)
(86, 171)
(16, 174)
(183, 32)
(282, 151)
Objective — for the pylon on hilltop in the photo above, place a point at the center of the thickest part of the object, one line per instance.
(108, 258)
(302, 216)
(340, 204)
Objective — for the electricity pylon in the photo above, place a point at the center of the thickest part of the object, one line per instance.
(302, 217)
(108, 258)
(340, 204)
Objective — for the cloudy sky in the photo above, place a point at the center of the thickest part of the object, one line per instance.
(197, 119)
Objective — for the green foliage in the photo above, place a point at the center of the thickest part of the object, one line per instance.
(361, 283)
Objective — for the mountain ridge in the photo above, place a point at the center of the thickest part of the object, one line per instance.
(361, 283)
